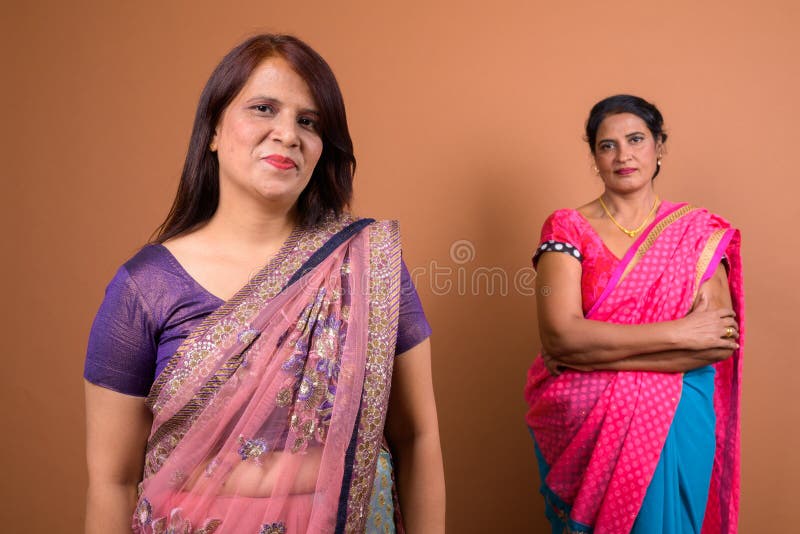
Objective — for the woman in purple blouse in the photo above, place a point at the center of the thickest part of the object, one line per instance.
(241, 366)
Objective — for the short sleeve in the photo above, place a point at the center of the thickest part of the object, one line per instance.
(412, 325)
(122, 347)
(559, 234)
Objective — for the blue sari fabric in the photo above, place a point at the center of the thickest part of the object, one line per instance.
(675, 501)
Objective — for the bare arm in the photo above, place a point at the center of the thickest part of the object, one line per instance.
(713, 294)
(117, 427)
(412, 430)
(576, 341)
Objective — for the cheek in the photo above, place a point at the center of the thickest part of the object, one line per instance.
(313, 150)
(237, 136)
(604, 161)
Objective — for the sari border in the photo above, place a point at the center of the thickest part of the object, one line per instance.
(272, 265)
(639, 249)
(711, 256)
(384, 293)
(192, 409)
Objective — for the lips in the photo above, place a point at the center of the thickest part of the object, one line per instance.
(281, 162)
(625, 171)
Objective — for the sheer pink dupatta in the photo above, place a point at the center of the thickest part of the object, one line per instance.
(601, 433)
(252, 428)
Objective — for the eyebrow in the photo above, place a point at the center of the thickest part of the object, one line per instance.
(272, 100)
(626, 137)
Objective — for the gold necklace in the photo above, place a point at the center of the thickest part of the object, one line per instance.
(629, 233)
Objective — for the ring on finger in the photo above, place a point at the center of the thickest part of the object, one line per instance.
(729, 332)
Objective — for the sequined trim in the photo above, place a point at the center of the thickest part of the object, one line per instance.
(273, 528)
(384, 264)
(219, 331)
(175, 523)
(272, 266)
(381, 503)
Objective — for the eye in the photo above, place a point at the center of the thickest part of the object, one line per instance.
(637, 139)
(264, 108)
(307, 122)
(606, 146)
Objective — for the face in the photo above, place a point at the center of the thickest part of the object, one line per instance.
(267, 140)
(626, 152)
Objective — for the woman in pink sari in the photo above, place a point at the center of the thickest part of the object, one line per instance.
(634, 401)
(228, 396)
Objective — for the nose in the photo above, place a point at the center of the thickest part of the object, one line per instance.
(623, 153)
(285, 130)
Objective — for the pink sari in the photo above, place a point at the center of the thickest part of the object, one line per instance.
(269, 418)
(601, 433)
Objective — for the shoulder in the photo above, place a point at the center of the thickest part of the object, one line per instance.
(151, 259)
(563, 224)
(378, 228)
(151, 273)
(563, 215)
(703, 217)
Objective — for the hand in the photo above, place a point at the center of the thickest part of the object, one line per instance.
(704, 329)
(556, 366)
(551, 364)
(713, 355)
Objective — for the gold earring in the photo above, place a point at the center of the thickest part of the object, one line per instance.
(595, 169)
(212, 146)
(658, 161)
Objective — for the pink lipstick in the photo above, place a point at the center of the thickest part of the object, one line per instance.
(625, 171)
(280, 162)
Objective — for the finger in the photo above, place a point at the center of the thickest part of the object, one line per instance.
(726, 312)
(730, 321)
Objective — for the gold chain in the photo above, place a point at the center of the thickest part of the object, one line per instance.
(629, 233)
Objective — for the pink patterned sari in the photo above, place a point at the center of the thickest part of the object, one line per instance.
(601, 433)
(269, 418)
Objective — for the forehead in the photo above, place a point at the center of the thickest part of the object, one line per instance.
(621, 124)
(275, 78)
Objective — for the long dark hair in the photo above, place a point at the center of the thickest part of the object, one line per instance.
(625, 104)
(331, 185)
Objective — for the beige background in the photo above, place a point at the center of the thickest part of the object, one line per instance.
(467, 120)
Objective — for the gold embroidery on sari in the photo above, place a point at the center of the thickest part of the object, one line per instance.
(243, 313)
(706, 256)
(654, 234)
(384, 279)
(191, 357)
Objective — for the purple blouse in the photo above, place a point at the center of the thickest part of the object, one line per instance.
(152, 305)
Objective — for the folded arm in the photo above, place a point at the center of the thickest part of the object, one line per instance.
(571, 340)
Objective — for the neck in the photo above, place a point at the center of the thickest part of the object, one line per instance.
(631, 206)
(253, 226)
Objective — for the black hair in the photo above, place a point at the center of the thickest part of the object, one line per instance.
(331, 185)
(616, 104)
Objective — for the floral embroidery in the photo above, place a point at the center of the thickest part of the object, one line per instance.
(188, 362)
(176, 524)
(317, 338)
(252, 449)
(273, 528)
(211, 467)
(144, 512)
(248, 336)
(177, 478)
